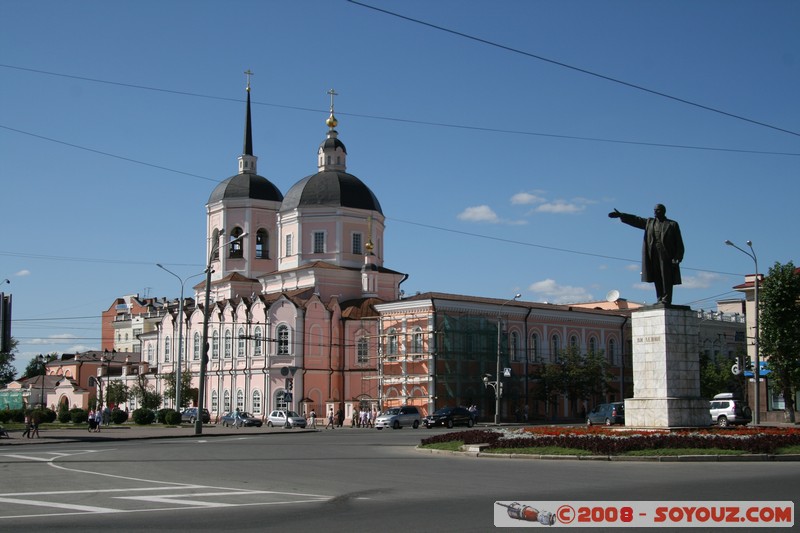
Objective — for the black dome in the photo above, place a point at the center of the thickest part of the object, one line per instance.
(246, 186)
(331, 187)
(332, 143)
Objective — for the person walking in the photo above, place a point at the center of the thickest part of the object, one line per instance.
(313, 417)
(237, 419)
(36, 418)
(27, 432)
(330, 419)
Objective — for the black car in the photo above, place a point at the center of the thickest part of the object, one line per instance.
(608, 414)
(449, 416)
(245, 419)
(190, 415)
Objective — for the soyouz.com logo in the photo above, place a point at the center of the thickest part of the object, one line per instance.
(644, 514)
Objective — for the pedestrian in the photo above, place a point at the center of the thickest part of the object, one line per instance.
(364, 422)
(330, 419)
(237, 419)
(313, 417)
(106, 416)
(36, 418)
(525, 412)
(355, 421)
(27, 432)
(340, 417)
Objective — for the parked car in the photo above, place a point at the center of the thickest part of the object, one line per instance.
(450, 416)
(247, 420)
(726, 409)
(278, 419)
(608, 414)
(398, 417)
(190, 415)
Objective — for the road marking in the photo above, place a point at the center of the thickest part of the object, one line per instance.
(83, 508)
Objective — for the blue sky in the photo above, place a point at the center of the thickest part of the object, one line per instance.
(496, 158)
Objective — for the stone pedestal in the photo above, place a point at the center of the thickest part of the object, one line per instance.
(666, 370)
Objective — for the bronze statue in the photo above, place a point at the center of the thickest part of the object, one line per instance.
(662, 250)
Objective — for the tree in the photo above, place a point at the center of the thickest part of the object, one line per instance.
(576, 376)
(7, 371)
(146, 397)
(779, 331)
(186, 387)
(36, 367)
(716, 376)
(116, 393)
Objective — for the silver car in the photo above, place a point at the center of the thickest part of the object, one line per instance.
(398, 417)
(278, 419)
(726, 409)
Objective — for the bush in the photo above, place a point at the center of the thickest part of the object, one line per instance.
(172, 418)
(78, 416)
(143, 417)
(46, 415)
(118, 416)
(12, 415)
(161, 415)
(63, 413)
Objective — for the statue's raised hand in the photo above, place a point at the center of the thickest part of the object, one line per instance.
(614, 214)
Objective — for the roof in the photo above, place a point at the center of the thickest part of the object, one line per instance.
(331, 188)
(246, 185)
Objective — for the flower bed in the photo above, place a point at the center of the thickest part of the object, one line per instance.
(604, 441)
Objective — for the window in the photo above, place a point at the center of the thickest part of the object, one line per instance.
(362, 351)
(240, 343)
(236, 245)
(149, 352)
(319, 242)
(357, 248)
(262, 244)
(214, 402)
(280, 401)
(391, 344)
(555, 347)
(417, 342)
(226, 401)
(196, 347)
(257, 341)
(167, 348)
(240, 400)
(592, 345)
(288, 245)
(228, 344)
(215, 345)
(256, 402)
(215, 245)
(573, 341)
(535, 347)
(612, 351)
(513, 346)
(283, 339)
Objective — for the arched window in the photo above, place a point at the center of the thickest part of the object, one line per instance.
(262, 244)
(196, 347)
(256, 402)
(391, 344)
(592, 345)
(228, 344)
(149, 352)
(167, 349)
(257, 341)
(236, 246)
(283, 339)
(362, 355)
(555, 347)
(215, 345)
(513, 346)
(279, 401)
(573, 341)
(240, 343)
(240, 400)
(214, 402)
(535, 347)
(612, 351)
(226, 401)
(417, 344)
(215, 245)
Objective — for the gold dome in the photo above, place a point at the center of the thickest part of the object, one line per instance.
(331, 122)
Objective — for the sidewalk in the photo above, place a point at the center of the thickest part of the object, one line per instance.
(132, 432)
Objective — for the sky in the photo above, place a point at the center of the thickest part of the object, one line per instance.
(496, 135)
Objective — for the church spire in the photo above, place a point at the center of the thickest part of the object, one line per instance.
(247, 161)
(332, 154)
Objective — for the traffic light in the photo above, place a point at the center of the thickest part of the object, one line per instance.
(289, 384)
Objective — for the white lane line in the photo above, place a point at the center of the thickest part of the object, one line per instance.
(83, 508)
(96, 491)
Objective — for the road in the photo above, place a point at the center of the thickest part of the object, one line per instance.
(342, 480)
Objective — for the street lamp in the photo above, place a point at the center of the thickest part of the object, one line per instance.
(41, 359)
(497, 385)
(178, 382)
(201, 389)
(756, 358)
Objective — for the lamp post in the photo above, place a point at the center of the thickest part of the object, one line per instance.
(41, 359)
(497, 385)
(178, 369)
(198, 423)
(756, 357)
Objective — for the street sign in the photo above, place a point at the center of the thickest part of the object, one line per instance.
(506, 372)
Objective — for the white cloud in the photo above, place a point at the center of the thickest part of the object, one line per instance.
(479, 213)
(526, 198)
(550, 291)
(560, 207)
(702, 280)
(23, 273)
